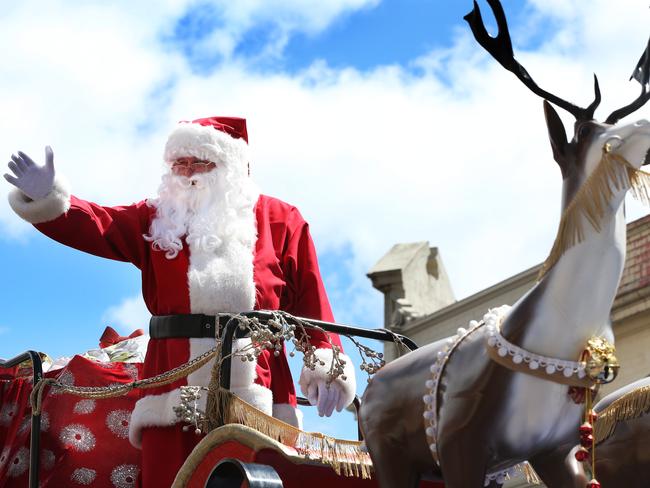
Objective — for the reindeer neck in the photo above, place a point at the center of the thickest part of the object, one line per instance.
(574, 299)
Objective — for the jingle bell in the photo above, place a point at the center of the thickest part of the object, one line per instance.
(582, 455)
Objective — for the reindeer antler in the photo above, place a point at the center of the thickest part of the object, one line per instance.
(500, 47)
(641, 74)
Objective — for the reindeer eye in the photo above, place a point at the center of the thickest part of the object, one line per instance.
(614, 142)
(584, 131)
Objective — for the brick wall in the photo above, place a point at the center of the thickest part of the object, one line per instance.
(636, 274)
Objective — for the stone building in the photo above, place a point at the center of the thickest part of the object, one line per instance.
(419, 303)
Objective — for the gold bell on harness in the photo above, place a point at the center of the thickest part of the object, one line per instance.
(600, 360)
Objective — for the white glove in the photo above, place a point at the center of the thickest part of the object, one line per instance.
(313, 384)
(34, 181)
(324, 397)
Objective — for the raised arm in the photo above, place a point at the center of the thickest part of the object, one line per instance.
(42, 199)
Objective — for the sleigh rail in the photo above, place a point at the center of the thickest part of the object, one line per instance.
(229, 333)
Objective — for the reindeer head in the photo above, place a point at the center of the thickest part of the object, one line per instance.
(602, 160)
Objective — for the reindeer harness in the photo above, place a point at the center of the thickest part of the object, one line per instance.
(598, 364)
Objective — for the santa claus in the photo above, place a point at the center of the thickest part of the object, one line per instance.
(209, 243)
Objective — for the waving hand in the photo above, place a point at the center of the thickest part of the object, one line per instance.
(33, 180)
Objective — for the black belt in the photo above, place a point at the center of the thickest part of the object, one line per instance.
(186, 325)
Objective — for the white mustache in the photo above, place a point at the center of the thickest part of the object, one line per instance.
(206, 208)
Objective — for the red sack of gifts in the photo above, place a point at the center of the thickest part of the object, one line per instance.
(84, 442)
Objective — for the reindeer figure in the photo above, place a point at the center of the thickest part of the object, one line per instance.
(476, 404)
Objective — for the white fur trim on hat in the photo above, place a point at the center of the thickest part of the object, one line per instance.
(51, 206)
(288, 414)
(348, 386)
(205, 142)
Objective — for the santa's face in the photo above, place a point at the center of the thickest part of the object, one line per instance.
(206, 206)
(190, 166)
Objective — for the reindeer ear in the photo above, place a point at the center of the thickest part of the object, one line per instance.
(556, 133)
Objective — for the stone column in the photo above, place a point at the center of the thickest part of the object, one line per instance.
(414, 283)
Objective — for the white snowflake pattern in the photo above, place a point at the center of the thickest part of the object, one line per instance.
(77, 436)
(118, 422)
(83, 476)
(47, 459)
(104, 364)
(26, 424)
(65, 378)
(131, 370)
(7, 413)
(124, 475)
(4, 456)
(84, 406)
(18, 463)
(45, 421)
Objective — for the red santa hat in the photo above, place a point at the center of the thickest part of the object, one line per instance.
(222, 140)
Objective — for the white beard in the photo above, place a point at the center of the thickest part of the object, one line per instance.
(215, 213)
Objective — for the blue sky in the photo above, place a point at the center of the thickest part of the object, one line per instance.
(64, 290)
(393, 32)
(380, 119)
(390, 32)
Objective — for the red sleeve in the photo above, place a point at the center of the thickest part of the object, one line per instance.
(305, 293)
(108, 232)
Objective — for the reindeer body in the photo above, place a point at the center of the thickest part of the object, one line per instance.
(489, 417)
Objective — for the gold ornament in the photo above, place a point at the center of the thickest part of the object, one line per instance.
(600, 360)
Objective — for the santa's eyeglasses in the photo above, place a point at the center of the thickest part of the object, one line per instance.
(192, 162)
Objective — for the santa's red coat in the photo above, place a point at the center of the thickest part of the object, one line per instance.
(286, 277)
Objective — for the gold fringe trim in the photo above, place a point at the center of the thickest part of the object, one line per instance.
(343, 456)
(532, 478)
(592, 199)
(630, 406)
(217, 402)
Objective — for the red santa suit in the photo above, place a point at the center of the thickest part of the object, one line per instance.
(274, 268)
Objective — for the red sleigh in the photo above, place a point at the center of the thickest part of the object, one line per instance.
(228, 456)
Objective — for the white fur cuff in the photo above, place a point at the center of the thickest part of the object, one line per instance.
(348, 386)
(154, 411)
(158, 410)
(288, 414)
(53, 205)
(257, 395)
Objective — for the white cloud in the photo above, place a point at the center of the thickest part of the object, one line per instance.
(280, 19)
(129, 315)
(457, 155)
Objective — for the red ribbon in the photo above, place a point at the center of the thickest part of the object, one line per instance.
(110, 337)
